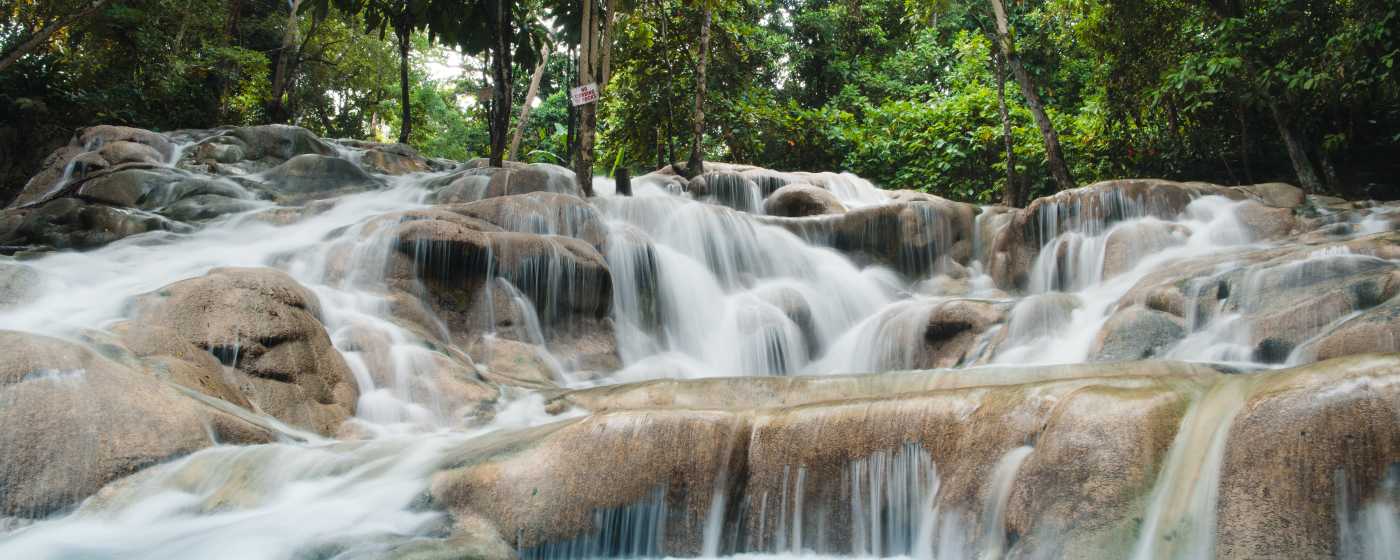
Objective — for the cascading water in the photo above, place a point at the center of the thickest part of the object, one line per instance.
(700, 286)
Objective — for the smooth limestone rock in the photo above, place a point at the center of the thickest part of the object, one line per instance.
(1136, 333)
(478, 181)
(1092, 209)
(310, 176)
(915, 238)
(795, 440)
(18, 283)
(1308, 441)
(799, 200)
(266, 327)
(783, 453)
(467, 272)
(76, 420)
(1327, 300)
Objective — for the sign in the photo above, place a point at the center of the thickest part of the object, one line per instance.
(584, 94)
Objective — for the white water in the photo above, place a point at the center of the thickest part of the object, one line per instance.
(733, 296)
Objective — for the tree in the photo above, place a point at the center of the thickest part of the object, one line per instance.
(695, 166)
(62, 19)
(1053, 153)
(526, 106)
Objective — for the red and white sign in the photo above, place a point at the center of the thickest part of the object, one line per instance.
(584, 94)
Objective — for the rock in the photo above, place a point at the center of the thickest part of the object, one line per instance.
(276, 142)
(953, 329)
(390, 159)
(458, 264)
(799, 200)
(1266, 222)
(19, 283)
(1136, 333)
(1087, 209)
(95, 149)
(1376, 330)
(509, 362)
(1306, 441)
(515, 178)
(69, 223)
(543, 213)
(1277, 195)
(267, 327)
(1288, 296)
(914, 238)
(1128, 244)
(812, 436)
(311, 176)
(727, 188)
(75, 421)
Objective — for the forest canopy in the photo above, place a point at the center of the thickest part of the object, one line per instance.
(977, 100)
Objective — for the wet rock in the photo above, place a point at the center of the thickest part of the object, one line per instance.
(1126, 246)
(1290, 298)
(390, 159)
(799, 200)
(267, 327)
(95, 149)
(953, 329)
(69, 223)
(799, 443)
(914, 238)
(19, 283)
(468, 272)
(1277, 195)
(521, 364)
(727, 188)
(312, 176)
(75, 421)
(1136, 333)
(276, 141)
(1307, 441)
(515, 178)
(542, 213)
(1087, 209)
(1264, 222)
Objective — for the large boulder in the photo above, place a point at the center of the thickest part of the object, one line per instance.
(19, 283)
(479, 182)
(310, 176)
(1308, 451)
(1294, 302)
(1065, 461)
(92, 150)
(478, 278)
(915, 238)
(71, 223)
(1137, 333)
(1089, 210)
(267, 328)
(781, 449)
(76, 420)
(799, 200)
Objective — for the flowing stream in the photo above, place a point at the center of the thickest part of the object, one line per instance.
(735, 295)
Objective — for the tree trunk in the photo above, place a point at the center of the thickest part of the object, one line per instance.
(606, 70)
(1244, 144)
(696, 165)
(1307, 174)
(34, 41)
(1053, 154)
(501, 98)
(583, 164)
(1015, 195)
(525, 107)
(406, 127)
(285, 55)
(670, 102)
